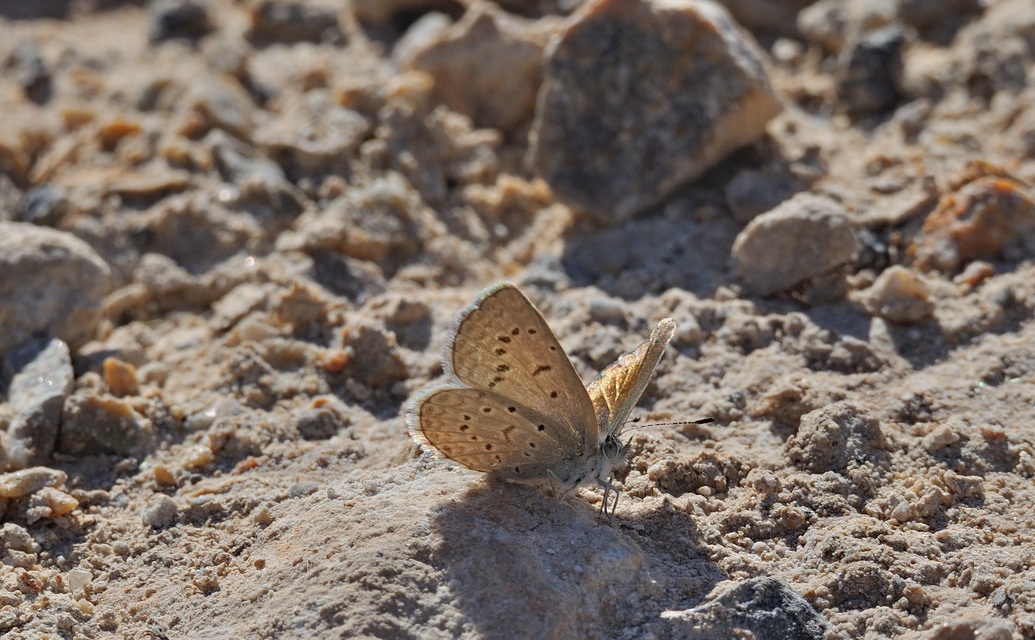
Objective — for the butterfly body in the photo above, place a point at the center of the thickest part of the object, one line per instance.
(514, 406)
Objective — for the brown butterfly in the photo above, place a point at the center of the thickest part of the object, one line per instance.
(514, 406)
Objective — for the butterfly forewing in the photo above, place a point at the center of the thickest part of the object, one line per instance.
(615, 393)
(486, 432)
(502, 345)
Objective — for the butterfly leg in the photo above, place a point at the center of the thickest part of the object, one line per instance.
(553, 486)
(608, 489)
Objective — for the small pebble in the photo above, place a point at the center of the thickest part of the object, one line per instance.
(899, 295)
(78, 579)
(85, 607)
(941, 437)
(870, 71)
(187, 19)
(19, 484)
(121, 377)
(44, 205)
(164, 476)
(975, 273)
(688, 331)
(607, 310)
(222, 407)
(902, 512)
(263, 515)
(803, 238)
(198, 456)
(56, 503)
(25, 63)
(161, 514)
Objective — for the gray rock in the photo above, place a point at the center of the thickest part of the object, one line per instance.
(293, 21)
(44, 205)
(36, 397)
(869, 71)
(98, 424)
(161, 514)
(488, 66)
(25, 63)
(931, 14)
(803, 238)
(10, 195)
(51, 283)
(187, 19)
(56, 9)
(237, 162)
(760, 608)
(641, 97)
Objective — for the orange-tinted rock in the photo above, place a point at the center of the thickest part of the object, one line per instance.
(977, 220)
(121, 377)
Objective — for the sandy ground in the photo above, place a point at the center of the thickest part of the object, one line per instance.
(284, 224)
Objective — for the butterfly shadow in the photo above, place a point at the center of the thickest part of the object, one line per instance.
(522, 564)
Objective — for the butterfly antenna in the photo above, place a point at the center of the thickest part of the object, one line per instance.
(668, 424)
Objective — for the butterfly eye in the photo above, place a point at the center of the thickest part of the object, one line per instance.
(610, 447)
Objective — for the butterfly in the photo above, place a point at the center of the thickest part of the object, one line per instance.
(513, 405)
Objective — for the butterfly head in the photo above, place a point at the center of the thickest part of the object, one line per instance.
(612, 448)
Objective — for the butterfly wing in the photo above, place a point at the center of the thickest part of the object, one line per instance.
(484, 431)
(617, 390)
(503, 347)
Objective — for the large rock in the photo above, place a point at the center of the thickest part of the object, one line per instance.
(51, 284)
(641, 97)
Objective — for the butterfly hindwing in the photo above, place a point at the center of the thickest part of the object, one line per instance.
(485, 431)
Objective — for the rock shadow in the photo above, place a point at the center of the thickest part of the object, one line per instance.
(650, 255)
(521, 564)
